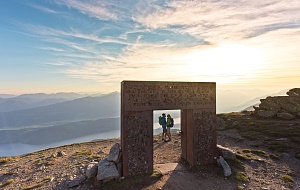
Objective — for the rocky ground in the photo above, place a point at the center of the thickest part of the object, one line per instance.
(268, 157)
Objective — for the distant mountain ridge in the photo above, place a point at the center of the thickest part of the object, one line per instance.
(6, 96)
(62, 132)
(67, 111)
(27, 101)
(255, 101)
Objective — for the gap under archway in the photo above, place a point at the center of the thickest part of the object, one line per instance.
(167, 152)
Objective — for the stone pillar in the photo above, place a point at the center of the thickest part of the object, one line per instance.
(137, 143)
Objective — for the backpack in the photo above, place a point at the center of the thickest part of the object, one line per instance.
(159, 120)
(171, 122)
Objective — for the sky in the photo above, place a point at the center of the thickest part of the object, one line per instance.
(92, 45)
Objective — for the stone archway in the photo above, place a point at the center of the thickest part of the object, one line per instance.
(197, 102)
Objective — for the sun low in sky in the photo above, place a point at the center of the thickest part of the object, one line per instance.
(91, 46)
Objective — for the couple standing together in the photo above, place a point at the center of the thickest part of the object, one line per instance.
(166, 126)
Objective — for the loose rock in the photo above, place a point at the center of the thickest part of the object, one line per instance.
(226, 167)
(77, 181)
(114, 153)
(107, 171)
(285, 116)
(91, 170)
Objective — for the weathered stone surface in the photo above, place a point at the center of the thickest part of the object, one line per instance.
(91, 170)
(266, 113)
(114, 153)
(294, 92)
(290, 104)
(269, 104)
(226, 152)
(220, 123)
(285, 116)
(298, 114)
(197, 102)
(77, 181)
(107, 171)
(120, 168)
(226, 167)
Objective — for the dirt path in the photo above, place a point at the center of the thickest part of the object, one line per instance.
(177, 177)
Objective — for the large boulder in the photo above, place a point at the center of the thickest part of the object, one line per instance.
(107, 171)
(269, 104)
(294, 92)
(289, 104)
(285, 107)
(114, 153)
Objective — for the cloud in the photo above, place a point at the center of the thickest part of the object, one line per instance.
(97, 9)
(51, 49)
(74, 43)
(71, 33)
(275, 54)
(42, 8)
(266, 30)
(58, 63)
(150, 62)
(222, 20)
(279, 48)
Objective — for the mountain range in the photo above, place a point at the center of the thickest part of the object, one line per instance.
(85, 108)
(46, 118)
(27, 101)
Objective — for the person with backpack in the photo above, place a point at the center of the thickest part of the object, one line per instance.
(170, 124)
(163, 122)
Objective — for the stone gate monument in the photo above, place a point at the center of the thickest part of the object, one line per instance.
(197, 102)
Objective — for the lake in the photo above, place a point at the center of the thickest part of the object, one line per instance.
(16, 149)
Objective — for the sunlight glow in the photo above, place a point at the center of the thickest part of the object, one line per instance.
(229, 59)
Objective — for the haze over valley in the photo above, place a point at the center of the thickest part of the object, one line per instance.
(70, 118)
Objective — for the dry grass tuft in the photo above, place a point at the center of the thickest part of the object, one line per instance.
(6, 160)
(7, 182)
(241, 176)
(288, 180)
(82, 153)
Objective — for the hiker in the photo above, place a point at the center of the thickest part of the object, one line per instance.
(162, 121)
(170, 124)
